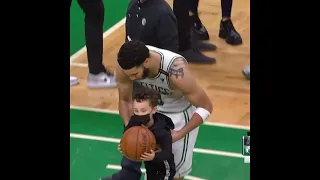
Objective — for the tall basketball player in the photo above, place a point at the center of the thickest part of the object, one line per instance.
(182, 99)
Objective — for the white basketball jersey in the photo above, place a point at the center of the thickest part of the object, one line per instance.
(171, 100)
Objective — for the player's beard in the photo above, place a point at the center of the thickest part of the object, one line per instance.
(145, 72)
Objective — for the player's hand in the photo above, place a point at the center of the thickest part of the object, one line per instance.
(148, 156)
(119, 148)
(176, 136)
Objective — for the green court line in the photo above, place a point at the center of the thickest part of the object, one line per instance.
(116, 140)
(108, 111)
(88, 160)
(110, 125)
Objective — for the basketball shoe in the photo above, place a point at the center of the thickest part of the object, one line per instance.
(246, 72)
(229, 33)
(73, 80)
(198, 28)
(102, 80)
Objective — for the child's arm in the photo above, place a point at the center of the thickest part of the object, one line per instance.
(165, 142)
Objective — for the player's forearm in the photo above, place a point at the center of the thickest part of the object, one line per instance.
(125, 111)
(194, 122)
(199, 100)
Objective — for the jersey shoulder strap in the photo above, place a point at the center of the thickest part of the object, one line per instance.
(168, 57)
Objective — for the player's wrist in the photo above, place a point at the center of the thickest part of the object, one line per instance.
(194, 122)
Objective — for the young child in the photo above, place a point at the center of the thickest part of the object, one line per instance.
(160, 164)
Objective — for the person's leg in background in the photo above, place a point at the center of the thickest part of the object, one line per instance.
(198, 31)
(189, 51)
(227, 30)
(99, 76)
(198, 28)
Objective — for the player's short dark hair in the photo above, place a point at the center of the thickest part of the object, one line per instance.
(143, 94)
(132, 54)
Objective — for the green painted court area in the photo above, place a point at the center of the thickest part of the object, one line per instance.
(94, 138)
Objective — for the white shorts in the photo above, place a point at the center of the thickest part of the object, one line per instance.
(183, 149)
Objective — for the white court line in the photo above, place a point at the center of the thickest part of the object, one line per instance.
(117, 112)
(196, 150)
(78, 64)
(105, 34)
(143, 170)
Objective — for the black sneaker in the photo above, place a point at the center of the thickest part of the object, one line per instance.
(198, 28)
(193, 55)
(199, 44)
(229, 33)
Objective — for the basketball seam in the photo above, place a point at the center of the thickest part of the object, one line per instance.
(149, 140)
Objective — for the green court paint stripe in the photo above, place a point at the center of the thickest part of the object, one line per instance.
(117, 112)
(143, 170)
(115, 140)
(111, 125)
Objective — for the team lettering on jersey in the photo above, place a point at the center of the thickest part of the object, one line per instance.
(161, 90)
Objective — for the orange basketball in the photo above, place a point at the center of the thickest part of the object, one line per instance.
(137, 140)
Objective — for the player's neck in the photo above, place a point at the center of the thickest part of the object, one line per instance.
(154, 64)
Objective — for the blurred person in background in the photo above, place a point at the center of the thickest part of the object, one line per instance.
(99, 76)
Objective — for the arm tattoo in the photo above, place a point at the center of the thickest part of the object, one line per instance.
(177, 69)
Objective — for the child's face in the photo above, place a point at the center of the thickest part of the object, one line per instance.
(143, 108)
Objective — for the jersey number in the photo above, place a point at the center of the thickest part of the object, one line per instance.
(160, 102)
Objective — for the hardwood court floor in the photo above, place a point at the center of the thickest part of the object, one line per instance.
(223, 81)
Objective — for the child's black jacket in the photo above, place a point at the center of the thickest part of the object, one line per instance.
(163, 163)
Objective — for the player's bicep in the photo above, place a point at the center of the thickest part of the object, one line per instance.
(182, 79)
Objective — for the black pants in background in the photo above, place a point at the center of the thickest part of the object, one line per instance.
(226, 7)
(181, 11)
(94, 19)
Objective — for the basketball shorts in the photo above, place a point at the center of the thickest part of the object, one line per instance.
(183, 149)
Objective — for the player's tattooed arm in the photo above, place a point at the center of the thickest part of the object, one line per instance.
(124, 85)
(181, 79)
(177, 68)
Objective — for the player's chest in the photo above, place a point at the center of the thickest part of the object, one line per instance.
(159, 84)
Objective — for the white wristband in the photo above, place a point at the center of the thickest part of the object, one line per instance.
(203, 113)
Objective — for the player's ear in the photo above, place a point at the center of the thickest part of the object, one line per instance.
(146, 61)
